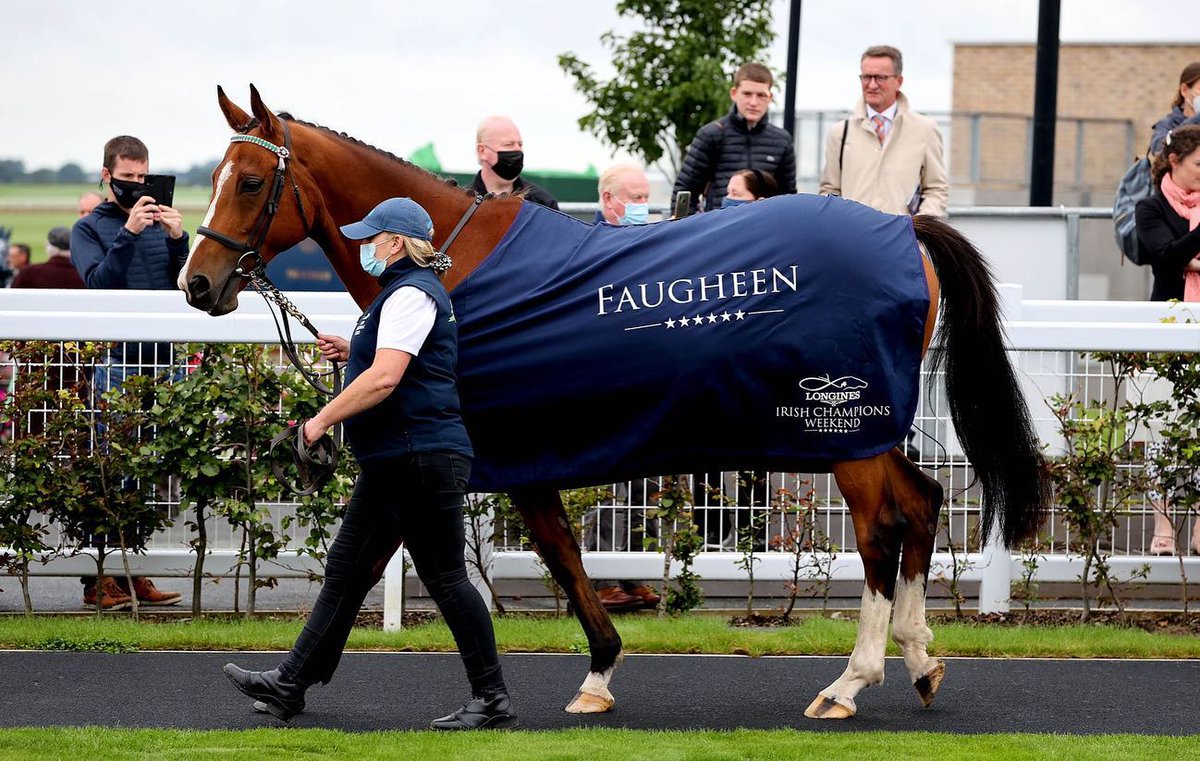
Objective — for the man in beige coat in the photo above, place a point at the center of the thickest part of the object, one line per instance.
(886, 156)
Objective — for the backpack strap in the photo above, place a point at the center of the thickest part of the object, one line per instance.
(842, 150)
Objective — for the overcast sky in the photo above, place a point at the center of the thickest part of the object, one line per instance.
(400, 74)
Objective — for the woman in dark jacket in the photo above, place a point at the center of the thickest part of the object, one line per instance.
(1183, 109)
(1168, 225)
(1168, 239)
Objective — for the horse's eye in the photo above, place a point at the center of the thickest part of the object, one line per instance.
(251, 185)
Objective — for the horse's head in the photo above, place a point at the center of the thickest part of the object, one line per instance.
(258, 208)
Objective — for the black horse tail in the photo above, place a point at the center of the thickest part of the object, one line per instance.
(986, 403)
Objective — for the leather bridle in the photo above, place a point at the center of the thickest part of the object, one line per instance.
(250, 266)
(252, 248)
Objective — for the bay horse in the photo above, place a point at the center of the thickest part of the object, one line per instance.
(281, 180)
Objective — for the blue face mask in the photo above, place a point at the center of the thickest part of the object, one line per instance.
(729, 203)
(366, 257)
(636, 214)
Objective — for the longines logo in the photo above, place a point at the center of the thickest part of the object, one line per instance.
(826, 409)
(845, 389)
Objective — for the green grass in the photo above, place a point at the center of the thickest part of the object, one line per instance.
(31, 227)
(58, 208)
(576, 744)
(641, 634)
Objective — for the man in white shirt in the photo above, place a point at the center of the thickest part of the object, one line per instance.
(886, 155)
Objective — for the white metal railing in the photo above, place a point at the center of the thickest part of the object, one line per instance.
(1045, 336)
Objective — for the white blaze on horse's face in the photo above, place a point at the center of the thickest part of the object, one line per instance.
(184, 274)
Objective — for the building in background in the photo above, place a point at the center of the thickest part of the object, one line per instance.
(1109, 95)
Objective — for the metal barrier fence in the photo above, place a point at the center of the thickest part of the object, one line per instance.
(993, 151)
(1047, 338)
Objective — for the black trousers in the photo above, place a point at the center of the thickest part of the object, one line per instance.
(417, 498)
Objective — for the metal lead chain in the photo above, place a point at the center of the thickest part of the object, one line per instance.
(267, 288)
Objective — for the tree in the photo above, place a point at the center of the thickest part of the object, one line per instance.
(671, 78)
(34, 473)
(187, 420)
(12, 170)
(72, 172)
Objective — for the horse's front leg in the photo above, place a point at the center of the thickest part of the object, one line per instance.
(879, 528)
(550, 530)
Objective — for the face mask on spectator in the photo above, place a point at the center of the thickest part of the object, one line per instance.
(125, 192)
(509, 164)
(729, 203)
(636, 214)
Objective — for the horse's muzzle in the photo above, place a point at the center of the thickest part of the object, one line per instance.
(200, 295)
(199, 292)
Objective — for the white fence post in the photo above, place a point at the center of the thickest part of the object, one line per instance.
(393, 593)
(995, 576)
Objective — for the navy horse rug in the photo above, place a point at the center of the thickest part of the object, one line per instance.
(783, 334)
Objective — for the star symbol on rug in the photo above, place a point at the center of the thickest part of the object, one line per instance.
(725, 317)
(740, 314)
(712, 318)
(684, 321)
(698, 319)
(670, 324)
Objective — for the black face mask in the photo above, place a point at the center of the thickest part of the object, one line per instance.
(509, 164)
(125, 192)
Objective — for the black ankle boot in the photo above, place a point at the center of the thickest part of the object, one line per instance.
(272, 693)
(493, 712)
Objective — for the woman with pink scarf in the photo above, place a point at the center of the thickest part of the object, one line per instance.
(1167, 219)
(1168, 234)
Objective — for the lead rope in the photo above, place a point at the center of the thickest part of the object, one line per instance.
(271, 294)
(314, 465)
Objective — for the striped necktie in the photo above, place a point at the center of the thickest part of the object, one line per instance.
(880, 132)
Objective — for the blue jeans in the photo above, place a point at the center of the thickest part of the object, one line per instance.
(417, 498)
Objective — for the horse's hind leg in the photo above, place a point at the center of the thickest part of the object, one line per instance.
(879, 528)
(919, 497)
(550, 530)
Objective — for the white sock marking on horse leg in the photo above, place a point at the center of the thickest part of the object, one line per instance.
(597, 683)
(866, 662)
(910, 629)
(226, 171)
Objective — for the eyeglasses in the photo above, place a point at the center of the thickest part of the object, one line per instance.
(880, 78)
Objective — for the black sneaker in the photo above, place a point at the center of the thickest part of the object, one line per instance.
(480, 713)
(272, 693)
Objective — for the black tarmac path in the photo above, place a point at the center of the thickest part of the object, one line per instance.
(384, 691)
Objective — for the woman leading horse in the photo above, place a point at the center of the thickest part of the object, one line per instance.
(281, 180)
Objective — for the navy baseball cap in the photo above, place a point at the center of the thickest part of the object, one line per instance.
(395, 215)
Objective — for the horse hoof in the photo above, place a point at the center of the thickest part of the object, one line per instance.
(586, 702)
(828, 708)
(927, 685)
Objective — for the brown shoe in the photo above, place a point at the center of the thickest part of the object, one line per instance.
(646, 593)
(112, 597)
(148, 594)
(615, 600)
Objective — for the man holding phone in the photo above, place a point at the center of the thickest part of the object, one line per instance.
(131, 241)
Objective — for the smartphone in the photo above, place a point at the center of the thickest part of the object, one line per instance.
(160, 187)
(683, 204)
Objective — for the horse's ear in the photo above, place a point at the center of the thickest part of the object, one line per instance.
(267, 121)
(237, 118)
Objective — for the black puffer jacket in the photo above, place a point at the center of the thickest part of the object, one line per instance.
(725, 147)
